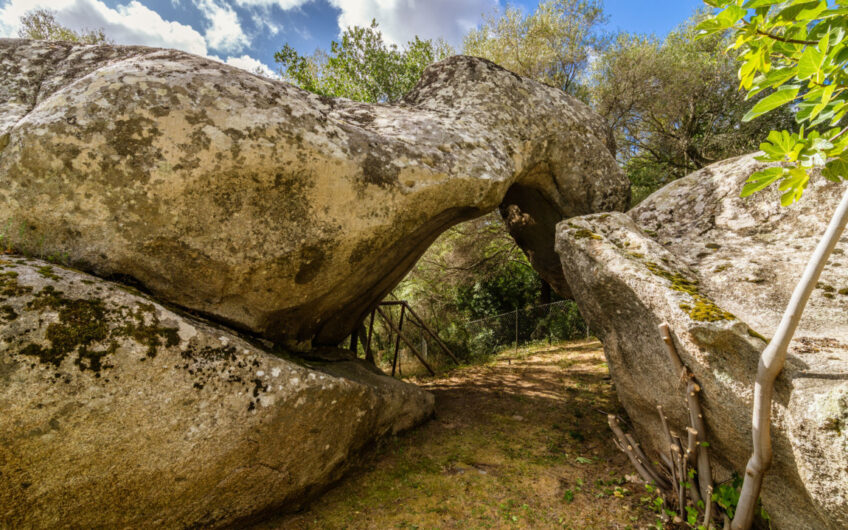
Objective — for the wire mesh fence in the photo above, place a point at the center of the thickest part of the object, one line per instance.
(473, 339)
(549, 322)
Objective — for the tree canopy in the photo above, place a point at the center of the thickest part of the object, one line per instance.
(673, 105)
(41, 24)
(362, 67)
(552, 44)
(796, 51)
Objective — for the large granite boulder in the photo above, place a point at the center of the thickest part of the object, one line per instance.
(720, 269)
(269, 208)
(120, 413)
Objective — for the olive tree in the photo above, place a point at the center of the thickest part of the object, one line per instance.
(41, 24)
(673, 105)
(552, 44)
(797, 48)
(362, 67)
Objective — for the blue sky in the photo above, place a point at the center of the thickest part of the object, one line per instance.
(246, 33)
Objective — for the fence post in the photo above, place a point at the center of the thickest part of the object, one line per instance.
(516, 330)
(550, 310)
(395, 362)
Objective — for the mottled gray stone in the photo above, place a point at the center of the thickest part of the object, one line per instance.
(269, 208)
(120, 413)
(720, 270)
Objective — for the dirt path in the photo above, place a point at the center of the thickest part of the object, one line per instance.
(516, 443)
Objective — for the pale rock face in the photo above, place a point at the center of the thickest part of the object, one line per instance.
(720, 270)
(269, 208)
(120, 413)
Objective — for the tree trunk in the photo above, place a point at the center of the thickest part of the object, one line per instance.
(771, 363)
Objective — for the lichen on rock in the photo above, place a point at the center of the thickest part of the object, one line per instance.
(650, 266)
(272, 209)
(108, 390)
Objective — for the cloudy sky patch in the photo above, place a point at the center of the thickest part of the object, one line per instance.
(246, 33)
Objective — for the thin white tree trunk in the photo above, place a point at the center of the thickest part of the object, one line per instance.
(771, 363)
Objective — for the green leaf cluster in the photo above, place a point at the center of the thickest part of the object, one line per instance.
(551, 44)
(796, 50)
(673, 105)
(41, 24)
(362, 67)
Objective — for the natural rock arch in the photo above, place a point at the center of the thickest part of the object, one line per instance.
(271, 209)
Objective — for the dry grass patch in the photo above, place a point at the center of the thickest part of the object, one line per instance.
(518, 443)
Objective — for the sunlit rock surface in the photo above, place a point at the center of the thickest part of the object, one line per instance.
(720, 270)
(120, 413)
(269, 208)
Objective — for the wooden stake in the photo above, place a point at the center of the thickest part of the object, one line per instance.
(677, 449)
(368, 355)
(670, 443)
(705, 479)
(708, 510)
(628, 449)
(406, 341)
(432, 333)
(397, 339)
(659, 480)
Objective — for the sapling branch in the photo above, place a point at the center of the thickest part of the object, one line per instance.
(708, 509)
(670, 444)
(705, 479)
(665, 459)
(694, 489)
(676, 363)
(677, 455)
(659, 480)
(628, 450)
(691, 445)
(771, 364)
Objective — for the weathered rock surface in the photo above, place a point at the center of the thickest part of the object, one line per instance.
(695, 254)
(269, 208)
(120, 413)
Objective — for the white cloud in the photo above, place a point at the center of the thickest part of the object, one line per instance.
(263, 20)
(132, 23)
(224, 31)
(245, 62)
(401, 20)
(283, 4)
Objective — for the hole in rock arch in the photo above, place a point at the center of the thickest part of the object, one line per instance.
(527, 222)
(476, 290)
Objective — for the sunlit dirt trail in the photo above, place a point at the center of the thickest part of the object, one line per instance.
(520, 442)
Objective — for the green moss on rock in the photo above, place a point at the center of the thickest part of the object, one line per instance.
(81, 326)
(583, 233)
(701, 308)
(47, 272)
(9, 286)
(754, 334)
(7, 313)
(826, 288)
(150, 334)
(90, 329)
